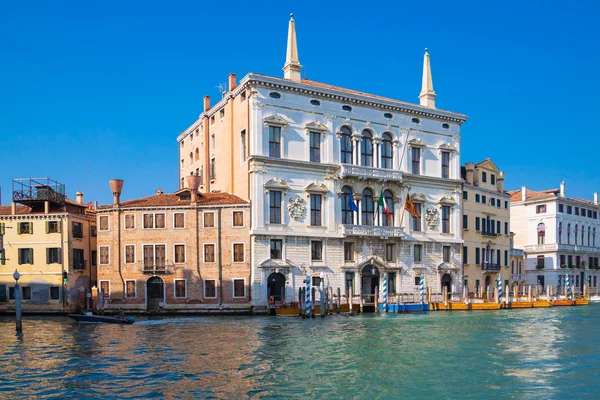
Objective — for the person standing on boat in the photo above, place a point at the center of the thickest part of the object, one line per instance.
(121, 314)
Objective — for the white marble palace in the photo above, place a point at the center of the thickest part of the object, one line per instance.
(314, 160)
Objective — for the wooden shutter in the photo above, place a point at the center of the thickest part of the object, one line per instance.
(148, 221)
(30, 228)
(19, 229)
(58, 226)
(20, 261)
(160, 255)
(159, 220)
(148, 255)
(47, 227)
(47, 251)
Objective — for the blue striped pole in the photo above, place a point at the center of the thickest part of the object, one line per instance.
(422, 289)
(307, 296)
(568, 283)
(385, 292)
(499, 289)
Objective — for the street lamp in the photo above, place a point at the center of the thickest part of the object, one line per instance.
(16, 276)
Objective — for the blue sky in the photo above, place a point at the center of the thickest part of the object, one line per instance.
(96, 90)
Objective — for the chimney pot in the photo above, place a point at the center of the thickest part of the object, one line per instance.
(563, 186)
(192, 182)
(79, 197)
(523, 193)
(206, 103)
(159, 192)
(595, 198)
(232, 82)
(116, 186)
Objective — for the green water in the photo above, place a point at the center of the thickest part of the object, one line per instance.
(525, 354)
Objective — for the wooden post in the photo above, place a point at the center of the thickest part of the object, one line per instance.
(360, 303)
(312, 302)
(330, 298)
(300, 313)
(339, 299)
(350, 299)
(529, 293)
(322, 294)
(376, 295)
(19, 326)
(445, 296)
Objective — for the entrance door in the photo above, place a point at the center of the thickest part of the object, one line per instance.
(370, 280)
(487, 286)
(155, 289)
(446, 282)
(276, 286)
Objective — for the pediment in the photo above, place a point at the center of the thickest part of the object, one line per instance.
(447, 201)
(487, 164)
(416, 142)
(276, 184)
(315, 126)
(270, 263)
(448, 266)
(418, 197)
(316, 188)
(447, 147)
(275, 120)
(371, 260)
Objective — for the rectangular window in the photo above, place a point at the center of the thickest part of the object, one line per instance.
(349, 278)
(105, 287)
(316, 281)
(563, 261)
(276, 249)
(103, 223)
(238, 252)
(77, 230)
(222, 113)
(392, 282)
(212, 169)
(445, 164)
(493, 201)
(315, 209)
(506, 204)
(25, 256)
(54, 293)
(542, 209)
(243, 145)
(52, 227)
(483, 199)
(465, 255)
(53, 255)
(477, 224)
(416, 160)
(498, 231)
(446, 254)
(130, 289)
(209, 219)
(465, 222)
(418, 253)
(315, 147)
(129, 221)
(506, 228)
(316, 250)
(417, 280)
(129, 254)
(93, 229)
(154, 221)
(348, 251)
(477, 256)
(239, 288)
(179, 220)
(274, 141)
(26, 290)
(576, 210)
(209, 253)
(417, 220)
(180, 289)
(506, 258)
(154, 256)
(77, 262)
(569, 210)
(210, 289)
(492, 179)
(104, 250)
(465, 195)
(540, 261)
(238, 218)
(25, 228)
(445, 219)
(94, 258)
(483, 177)
(179, 253)
(477, 197)
(390, 252)
(274, 207)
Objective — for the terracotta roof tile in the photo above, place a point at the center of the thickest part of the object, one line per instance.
(515, 195)
(170, 200)
(7, 210)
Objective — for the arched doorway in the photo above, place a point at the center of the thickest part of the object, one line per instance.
(155, 292)
(370, 280)
(447, 283)
(276, 286)
(487, 286)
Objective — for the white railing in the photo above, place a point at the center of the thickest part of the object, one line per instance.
(518, 277)
(516, 252)
(373, 231)
(561, 247)
(370, 172)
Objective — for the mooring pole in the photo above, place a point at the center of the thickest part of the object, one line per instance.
(339, 300)
(312, 303)
(16, 275)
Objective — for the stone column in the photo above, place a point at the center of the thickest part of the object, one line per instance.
(395, 155)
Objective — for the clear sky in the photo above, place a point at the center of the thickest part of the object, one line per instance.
(94, 90)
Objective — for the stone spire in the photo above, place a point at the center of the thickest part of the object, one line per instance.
(292, 67)
(427, 96)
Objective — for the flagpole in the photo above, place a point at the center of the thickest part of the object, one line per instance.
(400, 167)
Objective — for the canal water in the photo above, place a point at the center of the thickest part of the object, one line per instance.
(524, 354)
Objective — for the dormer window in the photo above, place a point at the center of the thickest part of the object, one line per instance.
(275, 95)
(315, 102)
(346, 107)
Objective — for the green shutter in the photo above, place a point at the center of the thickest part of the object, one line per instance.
(31, 252)
(2, 230)
(20, 252)
(18, 228)
(30, 228)
(47, 251)
(2, 262)
(58, 226)
(47, 227)
(59, 256)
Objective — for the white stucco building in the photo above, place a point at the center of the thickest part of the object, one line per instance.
(559, 236)
(299, 150)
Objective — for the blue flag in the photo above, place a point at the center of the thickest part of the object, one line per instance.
(351, 204)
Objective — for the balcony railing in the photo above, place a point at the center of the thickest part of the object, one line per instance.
(516, 252)
(349, 170)
(372, 231)
(487, 266)
(562, 247)
(518, 277)
(488, 233)
(157, 267)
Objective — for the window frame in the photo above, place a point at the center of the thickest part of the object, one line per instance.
(204, 288)
(127, 295)
(175, 214)
(154, 220)
(107, 255)
(346, 146)
(446, 228)
(233, 214)
(185, 294)
(233, 245)
(314, 246)
(107, 281)
(387, 151)
(214, 252)
(107, 219)
(233, 280)
(275, 241)
(415, 162)
(419, 259)
(175, 253)
(351, 248)
(314, 147)
(204, 214)
(445, 164)
(274, 146)
(316, 213)
(390, 252)
(275, 201)
(125, 254)
(125, 216)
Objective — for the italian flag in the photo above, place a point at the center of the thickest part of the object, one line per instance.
(381, 203)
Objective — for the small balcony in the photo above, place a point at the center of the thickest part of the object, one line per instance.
(157, 267)
(488, 233)
(490, 267)
(516, 252)
(79, 265)
(358, 171)
(518, 277)
(373, 231)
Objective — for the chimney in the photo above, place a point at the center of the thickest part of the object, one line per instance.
(192, 182)
(523, 193)
(500, 182)
(232, 82)
(46, 207)
(79, 197)
(13, 208)
(159, 192)
(95, 204)
(206, 103)
(469, 168)
(563, 186)
(595, 198)
(116, 186)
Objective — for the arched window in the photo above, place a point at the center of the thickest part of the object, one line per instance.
(520, 267)
(386, 151)
(576, 232)
(568, 233)
(366, 149)
(560, 232)
(512, 267)
(191, 158)
(589, 236)
(347, 213)
(197, 157)
(582, 234)
(346, 146)
(388, 197)
(594, 238)
(541, 233)
(367, 207)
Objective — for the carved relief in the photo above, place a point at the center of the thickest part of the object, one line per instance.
(296, 207)
(432, 217)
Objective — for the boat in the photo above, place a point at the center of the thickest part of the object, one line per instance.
(581, 301)
(520, 304)
(89, 318)
(562, 302)
(594, 299)
(451, 305)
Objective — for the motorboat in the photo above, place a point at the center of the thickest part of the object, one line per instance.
(89, 318)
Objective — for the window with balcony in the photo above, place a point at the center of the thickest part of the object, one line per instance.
(445, 164)
(316, 250)
(416, 160)
(347, 213)
(388, 198)
(366, 149)
(315, 146)
(445, 219)
(418, 253)
(346, 146)
(386, 151)
(417, 221)
(315, 209)
(348, 251)
(275, 141)
(154, 256)
(541, 233)
(276, 249)
(367, 207)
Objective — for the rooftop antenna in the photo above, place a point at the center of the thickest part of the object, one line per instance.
(222, 88)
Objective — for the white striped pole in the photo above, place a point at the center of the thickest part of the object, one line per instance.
(568, 284)
(422, 289)
(499, 289)
(307, 296)
(385, 293)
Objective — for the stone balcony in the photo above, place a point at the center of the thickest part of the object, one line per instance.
(518, 277)
(490, 267)
(516, 252)
(358, 171)
(541, 248)
(373, 231)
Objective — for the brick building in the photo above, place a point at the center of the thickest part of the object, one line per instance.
(177, 252)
